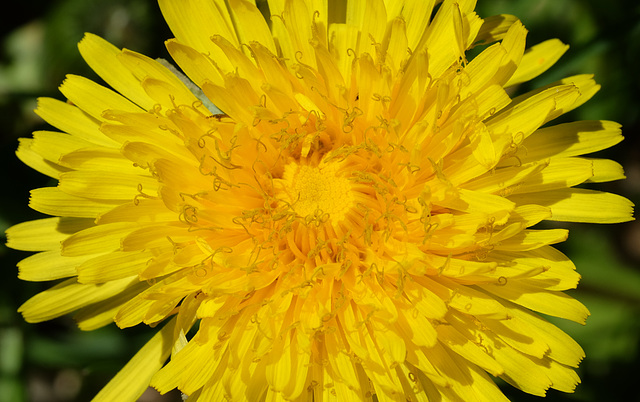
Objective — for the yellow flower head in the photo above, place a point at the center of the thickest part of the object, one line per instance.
(353, 221)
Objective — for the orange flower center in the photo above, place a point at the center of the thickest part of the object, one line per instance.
(316, 192)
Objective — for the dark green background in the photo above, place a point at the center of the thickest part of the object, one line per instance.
(54, 361)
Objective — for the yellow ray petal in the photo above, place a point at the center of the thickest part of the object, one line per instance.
(518, 334)
(583, 85)
(564, 378)
(606, 170)
(557, 271)
(414, 13)
(582, 205)
(113, 266)
(69, 296)
(340, 361)
(559, 173)
(464, 298)
(72, 120)
(103, 58)
(44, 234)
(525, 293)
(531, 239)
(514, 44)
(141, 210)
(537, 59)
(250, 25)
(193, 22)
(198, 359)
(198, 67)
(36, 161)
(521, 371)
(49, 265)
(521, 119)
(569, 139)
(51, 145)
(371, 18)
(145, 68)
(103, 313)
(494, 28)
(562, 348)
(298, 22)
(93, 98)
(100, 159)
(52, 201)
(465, 347)
(106, 185)
(107, 237)
(133, 379)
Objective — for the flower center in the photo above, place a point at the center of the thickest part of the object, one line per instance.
(317, 191)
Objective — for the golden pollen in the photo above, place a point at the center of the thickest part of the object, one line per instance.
(317, 191)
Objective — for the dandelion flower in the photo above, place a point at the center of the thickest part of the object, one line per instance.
(353, 223)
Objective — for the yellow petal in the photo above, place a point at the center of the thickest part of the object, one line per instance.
(413, 13)
(555, 271)
(606, 170)
(103, 313)
(340, 361)
(521, 119)
(44, 234)
(560, 173)
(100, 238)
(465, 347)
(107, 185)
(464, 298)
(371, 18)
(344, 38)
(495, 28)
(93, 98)
(69, 296)
(52, 201)
(250, 24)
(525, 293)
(570, 139)
(198, 67)
(100, 159)
(531, 239)
(72, 120)
(48, 265)
(133, 379)
(194, 22)
(537, 59)
(145, 68)
(192, 366)
(141, 210)
(514, 43)
(564, 378)
(522, 371)
(475, 201)
(234, 99)
(518, 334)
(113, 266)
(499, 180)
(36, 161)
(102, 57)
(570, 93)
(298, 22)
(562, 348)
(52, 145)
(581, 205)
(438, 36)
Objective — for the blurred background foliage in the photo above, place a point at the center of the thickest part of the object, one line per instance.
(56, 362)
